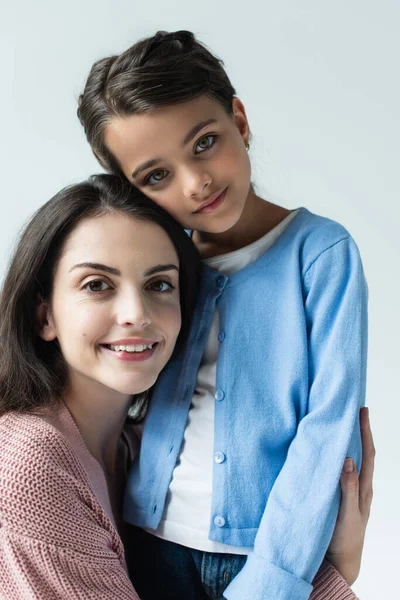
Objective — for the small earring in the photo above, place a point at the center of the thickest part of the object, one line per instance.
(247, 146)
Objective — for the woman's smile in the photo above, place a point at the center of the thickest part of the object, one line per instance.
(124, 295)
(131, 350)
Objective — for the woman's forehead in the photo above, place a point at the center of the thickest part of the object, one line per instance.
(117, 238)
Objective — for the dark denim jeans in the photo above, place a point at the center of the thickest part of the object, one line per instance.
(161, 569)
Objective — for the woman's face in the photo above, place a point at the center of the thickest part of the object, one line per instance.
(190, 158)
(115, 307)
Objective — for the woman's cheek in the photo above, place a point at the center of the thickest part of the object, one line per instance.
(172, 319)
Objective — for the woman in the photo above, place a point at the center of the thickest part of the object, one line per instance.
(100, 288)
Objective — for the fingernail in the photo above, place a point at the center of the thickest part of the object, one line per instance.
(348, 465)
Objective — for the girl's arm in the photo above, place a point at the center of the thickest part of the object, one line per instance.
(345, 550)
(302, 508)
(346, 546)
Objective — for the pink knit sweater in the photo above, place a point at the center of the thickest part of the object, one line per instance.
(58, 539)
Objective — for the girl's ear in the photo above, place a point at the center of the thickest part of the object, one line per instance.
(44, 322)
(240, 119)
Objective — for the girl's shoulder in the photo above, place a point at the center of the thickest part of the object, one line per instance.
(317, 229)
(313, 235)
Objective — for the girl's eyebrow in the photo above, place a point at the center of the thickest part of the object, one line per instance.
(145, 165)
(114, 271)
(195, 130)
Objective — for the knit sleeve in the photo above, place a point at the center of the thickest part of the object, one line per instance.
(56, 541)
(328, 584)
(32, 569)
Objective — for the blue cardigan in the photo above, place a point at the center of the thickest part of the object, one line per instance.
(290, 381)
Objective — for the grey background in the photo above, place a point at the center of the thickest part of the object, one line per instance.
(320, 81)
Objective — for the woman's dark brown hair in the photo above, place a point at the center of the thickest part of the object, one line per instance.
(32, 371)
(161, 70)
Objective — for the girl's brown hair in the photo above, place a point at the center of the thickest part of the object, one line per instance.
(161, 70)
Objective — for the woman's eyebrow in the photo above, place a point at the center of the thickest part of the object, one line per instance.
(96, 267)
(159, 269)
(114, 271)
(195, 130)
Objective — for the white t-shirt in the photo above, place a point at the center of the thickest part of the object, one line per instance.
(187, 512)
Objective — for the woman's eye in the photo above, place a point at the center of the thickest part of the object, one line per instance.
(156, 177)
(97, 285)
(160, 286)
(205, 143)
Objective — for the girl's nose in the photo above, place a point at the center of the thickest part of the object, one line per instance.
(196, 184)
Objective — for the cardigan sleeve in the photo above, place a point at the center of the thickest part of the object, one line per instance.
(56, 540)
(32, 569)
(301, 511)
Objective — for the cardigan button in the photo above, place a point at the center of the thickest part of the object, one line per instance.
(220, 281)
(219, 457)
(219, 521)
(219, 395)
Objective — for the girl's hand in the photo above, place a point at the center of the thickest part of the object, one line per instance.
(346, 546)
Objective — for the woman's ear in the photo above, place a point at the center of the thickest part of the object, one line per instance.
(44, 322)
(240, 120)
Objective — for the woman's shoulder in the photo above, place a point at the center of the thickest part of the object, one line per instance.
(42, 483)
(30, 444)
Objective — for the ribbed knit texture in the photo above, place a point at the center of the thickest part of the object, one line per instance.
(329, 585)
(56, 540)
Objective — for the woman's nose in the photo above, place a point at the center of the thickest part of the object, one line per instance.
(133, 311)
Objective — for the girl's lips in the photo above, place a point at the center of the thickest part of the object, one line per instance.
(208, 208)
(125, 356)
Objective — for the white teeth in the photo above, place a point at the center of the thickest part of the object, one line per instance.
(132, 348)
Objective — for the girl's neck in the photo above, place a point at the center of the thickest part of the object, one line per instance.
(258, 218)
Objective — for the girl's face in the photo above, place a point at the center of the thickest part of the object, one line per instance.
(190, 158)
(115, 307)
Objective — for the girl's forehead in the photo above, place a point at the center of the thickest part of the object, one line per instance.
(157, 134)
(174, 118)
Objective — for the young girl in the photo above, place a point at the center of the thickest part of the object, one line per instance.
(247, 431)
(91, 308)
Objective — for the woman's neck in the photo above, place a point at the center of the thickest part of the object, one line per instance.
(100, 417)
(258, 218)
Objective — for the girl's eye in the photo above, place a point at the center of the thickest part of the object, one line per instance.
(205, 143)
(156, 176)
(97, 285)
(161, 286)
